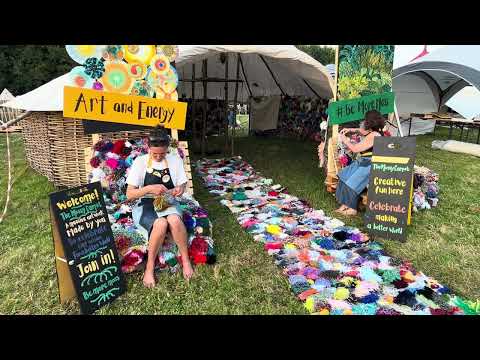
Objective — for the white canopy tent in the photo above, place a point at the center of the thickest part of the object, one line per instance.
(265, 70)
(425, 80)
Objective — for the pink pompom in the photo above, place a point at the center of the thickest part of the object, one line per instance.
(112, 163)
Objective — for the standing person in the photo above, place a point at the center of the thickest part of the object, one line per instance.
(158, 173)
(354, 178)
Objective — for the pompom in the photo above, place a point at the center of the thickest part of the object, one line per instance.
(118, 147)
(95, 162)
(112, 163)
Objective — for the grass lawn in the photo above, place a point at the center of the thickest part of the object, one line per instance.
(443, 242)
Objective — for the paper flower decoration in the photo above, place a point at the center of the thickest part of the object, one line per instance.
(97, 85)
(160, 94)
(160, 64)
(141, 88)
(113, 52)
(94, 68)
(80, 53)
(79, 78)
(137, 70)
(170, 51)
(139, 53)
(116, 77)
(153, 79)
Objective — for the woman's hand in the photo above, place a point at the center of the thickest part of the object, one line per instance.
(178, 191)
(157, 189)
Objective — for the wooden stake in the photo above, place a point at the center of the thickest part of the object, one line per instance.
(193, 109)
(204, 130)
(235, 102)
(226, 104)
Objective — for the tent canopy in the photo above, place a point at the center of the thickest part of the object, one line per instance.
(48, 97)
(446, 70)
(265, 70)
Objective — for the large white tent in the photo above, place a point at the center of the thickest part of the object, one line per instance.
(427, 77)
(265, 70)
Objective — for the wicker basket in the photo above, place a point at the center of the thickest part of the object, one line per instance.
(58, 148)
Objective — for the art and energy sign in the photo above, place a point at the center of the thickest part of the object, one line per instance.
(98, 105)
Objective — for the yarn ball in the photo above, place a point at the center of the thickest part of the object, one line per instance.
(118, 147)
(341, 293)
(112, 163)
(95, 162)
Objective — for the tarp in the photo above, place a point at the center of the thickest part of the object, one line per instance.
(264, 113)
(261, 66)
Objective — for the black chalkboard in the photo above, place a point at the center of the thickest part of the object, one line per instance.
(390, 187)
(80, 216)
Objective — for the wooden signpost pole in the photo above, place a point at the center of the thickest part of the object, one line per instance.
(66, 288)
(332, 168)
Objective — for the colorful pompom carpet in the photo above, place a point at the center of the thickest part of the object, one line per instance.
(334, 269)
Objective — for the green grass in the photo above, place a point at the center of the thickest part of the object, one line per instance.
(443, 242)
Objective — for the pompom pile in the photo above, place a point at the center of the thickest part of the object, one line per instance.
(111, 163)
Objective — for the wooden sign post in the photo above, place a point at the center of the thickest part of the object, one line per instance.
(390, 188)
(86, 258)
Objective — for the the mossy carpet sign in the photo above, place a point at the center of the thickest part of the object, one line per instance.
(80, 220)
(390, 187)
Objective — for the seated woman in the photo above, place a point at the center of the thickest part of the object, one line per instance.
(153, 174)
(354, 178)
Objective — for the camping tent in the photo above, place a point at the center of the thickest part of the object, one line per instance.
(425, 80)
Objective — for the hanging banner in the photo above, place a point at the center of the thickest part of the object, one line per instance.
(87, 104)
(354, 109)
(82, 234)
(364, 76)
(390, 187)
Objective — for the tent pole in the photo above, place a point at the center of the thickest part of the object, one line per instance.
(235, 102)
(306, 83)
(204, 71)
(398, 119)
(226, 103)
(244, 75)
(273, 76)
(193, 108)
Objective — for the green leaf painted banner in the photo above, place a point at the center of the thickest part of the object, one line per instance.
(343, 111)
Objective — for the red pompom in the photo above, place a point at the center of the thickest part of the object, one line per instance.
(95, 162)
(118, 147)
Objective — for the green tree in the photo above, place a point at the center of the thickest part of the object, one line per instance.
(323, 54)
(26, 67)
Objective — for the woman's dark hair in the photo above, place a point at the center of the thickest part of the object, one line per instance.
(374, 121)
(159, 137)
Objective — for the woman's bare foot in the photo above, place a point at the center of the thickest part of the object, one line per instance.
(149, 279)
(341, 209)
(349, 212)
(187, 269)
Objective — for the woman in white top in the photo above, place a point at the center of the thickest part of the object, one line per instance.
(153, 174)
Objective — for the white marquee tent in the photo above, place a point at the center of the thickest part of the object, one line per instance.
(265, 70)
(426, 80)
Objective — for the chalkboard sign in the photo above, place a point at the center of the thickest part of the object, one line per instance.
(81, 222)
(390, 187)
